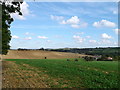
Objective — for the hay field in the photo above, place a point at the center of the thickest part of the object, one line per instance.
(34, 54)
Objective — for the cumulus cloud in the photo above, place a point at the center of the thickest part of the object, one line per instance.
(92, 41)
(78, 39)
(42, 37)
(28, 38)
(106, 36)
(15, 37)
(104, 23)
(117, 31)
(74, 21)
(25, 11)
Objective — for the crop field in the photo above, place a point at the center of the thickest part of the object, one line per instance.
(34, 54)
(59, 73)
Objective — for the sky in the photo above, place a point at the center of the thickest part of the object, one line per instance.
(65, 25)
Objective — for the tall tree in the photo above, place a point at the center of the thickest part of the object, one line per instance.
(6, 10)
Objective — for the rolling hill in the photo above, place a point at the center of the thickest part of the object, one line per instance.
(39, 54)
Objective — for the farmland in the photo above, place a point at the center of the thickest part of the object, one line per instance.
(34, 54)
(59, 73)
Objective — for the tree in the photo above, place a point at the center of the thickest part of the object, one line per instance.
(6, 10)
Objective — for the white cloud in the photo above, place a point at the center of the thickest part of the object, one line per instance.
(63, 22)
(84, 24)
(15, 37)
(16, 16)
(104, 23)
(117, 31)
(106, 36)
(79, 25)
(24, 8)
(115, 12)
(27, 33)
(22, 47)
(92, 41)
(28, 38)
(88, 36)
(115, 43)
(75, 26)
(57, 17)
(49, 41)
(42, 37)
(104, 41)
(78, 39)
(73, 20)
(25, 12)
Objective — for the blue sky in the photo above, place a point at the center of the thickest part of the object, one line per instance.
(65, 24)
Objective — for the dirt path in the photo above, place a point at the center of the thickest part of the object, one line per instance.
(26, 77)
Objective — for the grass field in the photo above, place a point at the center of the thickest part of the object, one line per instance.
(39, 54)
(59, 73)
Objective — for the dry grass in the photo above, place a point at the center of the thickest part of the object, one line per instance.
(25, 76)
(15, 54)
(16, 77)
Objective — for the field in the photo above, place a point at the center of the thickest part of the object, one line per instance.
(59, 73)
(34, 54)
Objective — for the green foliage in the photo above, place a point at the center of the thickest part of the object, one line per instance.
(108, 51)
(95, 74)
(7, 9)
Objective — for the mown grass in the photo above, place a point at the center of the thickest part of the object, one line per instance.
(92, 74)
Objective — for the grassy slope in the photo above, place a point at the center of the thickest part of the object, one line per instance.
(33, 54)
(95, 74)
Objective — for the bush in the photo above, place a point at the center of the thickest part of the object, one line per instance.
(76, 59)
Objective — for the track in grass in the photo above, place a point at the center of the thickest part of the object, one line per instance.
(62, 73)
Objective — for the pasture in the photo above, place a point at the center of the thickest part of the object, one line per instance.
(59, 73)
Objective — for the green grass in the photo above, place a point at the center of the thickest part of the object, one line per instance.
(94, 74)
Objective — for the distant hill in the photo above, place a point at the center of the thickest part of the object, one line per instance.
(104, 51)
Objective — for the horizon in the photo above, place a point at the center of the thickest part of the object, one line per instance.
(63, 48)
(65, 24)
